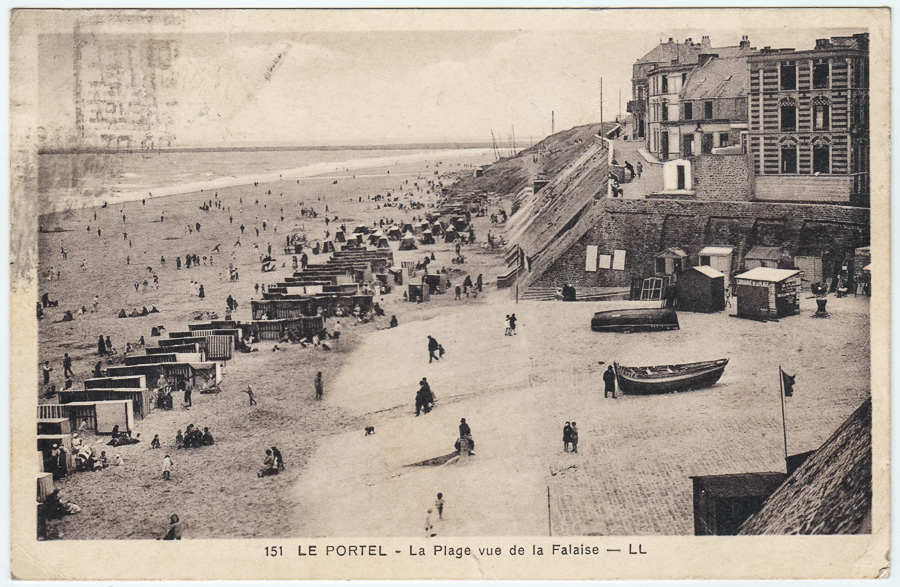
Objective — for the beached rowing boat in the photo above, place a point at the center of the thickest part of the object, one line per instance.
(668, 378)
(635, 320)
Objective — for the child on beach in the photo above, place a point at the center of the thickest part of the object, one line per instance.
(439, 504)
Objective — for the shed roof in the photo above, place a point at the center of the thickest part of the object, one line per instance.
(741, 484)
(831, 492)
(716, 251)
(768, 274)
(769, 253)
(671, 253)
(709, 271)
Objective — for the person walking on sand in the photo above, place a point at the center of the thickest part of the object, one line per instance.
(439, 504)
(640, 169)
(609, 383)
(167, 467)
(318, 385)
(512, 324)
(573, 436)
(432, 349)
(567, 436)
(67, 366)
(249, 392)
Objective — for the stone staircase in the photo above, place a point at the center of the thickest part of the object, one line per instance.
(582, 294)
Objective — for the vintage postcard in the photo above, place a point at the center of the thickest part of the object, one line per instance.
(450, 294)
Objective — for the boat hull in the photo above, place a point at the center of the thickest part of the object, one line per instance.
(635, 320)
(669, 379)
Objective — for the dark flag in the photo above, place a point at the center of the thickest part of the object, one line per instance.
(787, 381)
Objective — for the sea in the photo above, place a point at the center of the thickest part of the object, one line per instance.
(69, 181)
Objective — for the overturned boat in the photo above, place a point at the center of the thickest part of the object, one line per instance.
(668, 378)
(635, 320)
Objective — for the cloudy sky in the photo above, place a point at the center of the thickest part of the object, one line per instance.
(278, 85)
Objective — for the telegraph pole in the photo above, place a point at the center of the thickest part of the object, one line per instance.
(601, 106)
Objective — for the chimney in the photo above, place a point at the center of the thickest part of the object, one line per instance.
(671, 40)
(705, 42)
(704, 58)
(745, 42)
(823, 43)
(688, 41)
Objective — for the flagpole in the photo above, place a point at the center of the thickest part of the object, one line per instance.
(783, 422)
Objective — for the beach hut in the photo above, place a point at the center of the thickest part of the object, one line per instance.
(672, 261)
(328, 247)
(763, 257)
(406, 227)
(394, 233)
(450, 235)
(340, 237)
(427, 237)
(437, 229)
(383, 244)
(361, 229)
(765, 293)
(375, 237)
(719, 258)
(701, 289)
(418, 290)
(408, 243)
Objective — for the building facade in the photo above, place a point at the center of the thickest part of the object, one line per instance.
(809, 122)
(664, 54)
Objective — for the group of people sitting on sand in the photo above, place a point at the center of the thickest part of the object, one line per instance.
(135, 313)
(122, 438)
(193, 438)
(272, 464)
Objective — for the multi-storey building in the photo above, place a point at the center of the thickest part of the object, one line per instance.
(670, 53)
(809, 122)
(693, 106)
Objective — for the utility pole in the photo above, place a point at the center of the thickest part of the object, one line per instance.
(620, 101)
(552, 122)
(601, 106)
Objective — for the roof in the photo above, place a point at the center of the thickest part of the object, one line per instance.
(831, 492)
(668, 52)
(771, 253)
(718, 78)
(672, 253)
(768, 274)
(709, 271)
(742, 484)
(716, 251)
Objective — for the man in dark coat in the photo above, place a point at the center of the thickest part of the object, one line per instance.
(432, 349)
(424, 397)
(609, 382)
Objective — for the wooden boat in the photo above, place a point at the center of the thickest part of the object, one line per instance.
(668, 378)
(635, 320)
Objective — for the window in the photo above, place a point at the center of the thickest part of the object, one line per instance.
(665, 110)
(683, 79)
(788, 76)
(788, 115)
(821, 115)
(707, 110)
(821, 159)
(688, 111)
(660, 265)
(723, 139)
(789, 158)
(665, 84)
(820, 74)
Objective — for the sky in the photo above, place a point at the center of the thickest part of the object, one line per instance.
(289, 87)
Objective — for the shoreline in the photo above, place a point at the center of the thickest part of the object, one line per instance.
(313, 170)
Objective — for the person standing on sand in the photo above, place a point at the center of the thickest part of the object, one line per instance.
(429, 527)
(439, 504)
(609, 383)
(45, 369)
(249, 392)
(167, 467)
(567, 436)
(640, 169)
(512, 324)
(573, 435)
(318, 385)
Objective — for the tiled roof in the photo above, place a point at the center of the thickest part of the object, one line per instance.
(718, 78)
(831, 492)
(666, 53)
